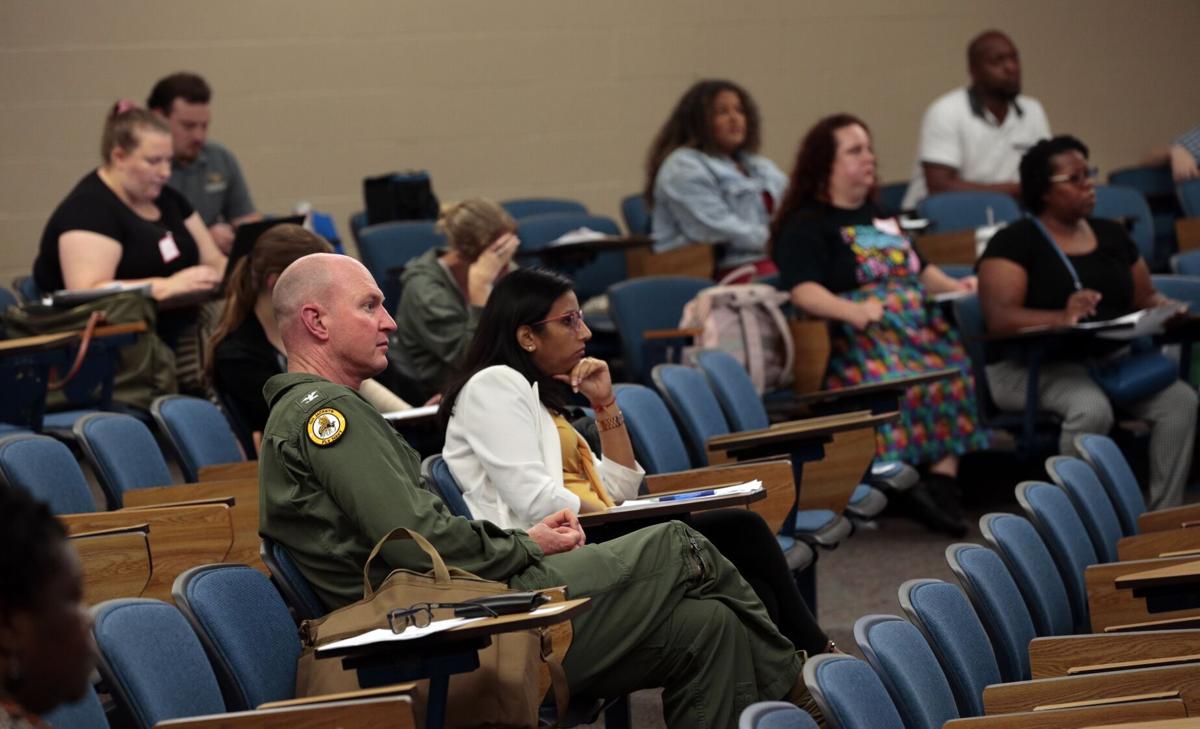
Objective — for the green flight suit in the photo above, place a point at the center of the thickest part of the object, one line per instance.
(667, 609)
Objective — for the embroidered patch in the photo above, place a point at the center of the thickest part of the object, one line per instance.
(325, 426)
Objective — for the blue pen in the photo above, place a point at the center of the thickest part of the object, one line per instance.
(689, 495)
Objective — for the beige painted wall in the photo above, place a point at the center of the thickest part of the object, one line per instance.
(546, 97)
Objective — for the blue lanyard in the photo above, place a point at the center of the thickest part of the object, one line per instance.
(1066, 261)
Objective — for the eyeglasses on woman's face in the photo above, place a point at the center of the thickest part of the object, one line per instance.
(573, 319)
(1077, 178)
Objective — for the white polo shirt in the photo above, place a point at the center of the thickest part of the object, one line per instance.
(960, 132)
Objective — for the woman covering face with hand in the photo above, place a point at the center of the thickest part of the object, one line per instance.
(518, 459)
(445, 289)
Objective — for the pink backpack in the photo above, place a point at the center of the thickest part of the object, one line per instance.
(745, 320)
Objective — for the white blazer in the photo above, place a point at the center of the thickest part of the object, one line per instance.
(504, 451)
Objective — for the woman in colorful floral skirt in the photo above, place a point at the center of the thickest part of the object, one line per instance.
(843, 262)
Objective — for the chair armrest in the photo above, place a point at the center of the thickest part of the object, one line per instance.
(1149, 710)
(1157, 544)
(1164, 519)
(1137, 684)
(1057, 655)
(390, 711)
(776, 477)
(897, 386)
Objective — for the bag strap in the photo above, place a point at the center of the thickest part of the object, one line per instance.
(785, 334)
(89, 330)
(743, 270)
(441, 575)
(558, 675)
(1066, 261)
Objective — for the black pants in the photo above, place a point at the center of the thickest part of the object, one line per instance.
(745, 540)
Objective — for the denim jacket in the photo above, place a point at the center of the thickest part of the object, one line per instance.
(701, 198)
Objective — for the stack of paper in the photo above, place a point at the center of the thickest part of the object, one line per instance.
(650, 502)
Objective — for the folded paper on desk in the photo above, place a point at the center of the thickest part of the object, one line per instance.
(385, 635)
(1142, 323)
(579, 235)
(425, 411)
(651, 502)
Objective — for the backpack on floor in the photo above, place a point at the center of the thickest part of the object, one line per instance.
(746, 321)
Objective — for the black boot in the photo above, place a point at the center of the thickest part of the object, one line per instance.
(923, 504)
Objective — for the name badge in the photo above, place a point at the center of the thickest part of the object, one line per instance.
(887, 225)
(167, 248)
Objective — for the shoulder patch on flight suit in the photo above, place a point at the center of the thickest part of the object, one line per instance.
(326, 426)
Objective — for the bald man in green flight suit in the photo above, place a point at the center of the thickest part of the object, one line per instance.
(667, 609)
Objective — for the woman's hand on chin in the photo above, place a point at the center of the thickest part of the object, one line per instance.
(590, 377)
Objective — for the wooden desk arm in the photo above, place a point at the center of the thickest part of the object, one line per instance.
(785, 435)
(391, 711)
(242, 491)
(1164, 519)
(1116, 685)
(656, 334)
(772, 473)
(398, 689)
(1157, 544)
(1188, 622)
(1057, 655)
(1110, 605)
(225, 471)
(1150, 710)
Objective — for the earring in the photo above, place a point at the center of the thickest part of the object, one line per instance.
(529, 349)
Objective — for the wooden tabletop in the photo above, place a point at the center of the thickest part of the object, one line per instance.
(1191, 722)
(588, 248)
(873, 388)
(229, 471)
(668, 509)
(809, 428)
(1186, 573)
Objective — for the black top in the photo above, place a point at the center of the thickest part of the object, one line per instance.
(1108, 269)
(810, 246)
(242, 364)
(93, 207)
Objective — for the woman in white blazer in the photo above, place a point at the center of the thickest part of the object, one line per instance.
(517, 458)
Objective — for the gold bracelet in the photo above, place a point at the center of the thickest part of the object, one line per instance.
(606, 424)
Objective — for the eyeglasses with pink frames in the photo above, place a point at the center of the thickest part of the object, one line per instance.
(573, 319)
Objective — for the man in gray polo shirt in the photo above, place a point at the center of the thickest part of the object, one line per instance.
(205, 172)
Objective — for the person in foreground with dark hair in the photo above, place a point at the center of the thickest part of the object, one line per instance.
(46, 648)
(518, 459)
(842, 262)
(667, 609)
(1062, 266)
(206, 173)
(705, 182)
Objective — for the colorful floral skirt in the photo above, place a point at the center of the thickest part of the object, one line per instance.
(937, 419)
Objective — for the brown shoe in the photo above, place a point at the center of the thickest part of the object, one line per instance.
(802, 697)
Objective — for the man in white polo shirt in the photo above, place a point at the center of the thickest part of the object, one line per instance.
(973, 138)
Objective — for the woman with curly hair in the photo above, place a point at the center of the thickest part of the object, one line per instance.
(705, 181)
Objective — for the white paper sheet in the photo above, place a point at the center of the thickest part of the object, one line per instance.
(385, 635)
(424, 411)
(650, 502)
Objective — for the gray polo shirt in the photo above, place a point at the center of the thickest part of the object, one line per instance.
(213, 184)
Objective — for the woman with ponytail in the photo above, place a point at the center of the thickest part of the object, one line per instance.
(245, 349)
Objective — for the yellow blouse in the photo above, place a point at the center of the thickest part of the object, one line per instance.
(579, 470)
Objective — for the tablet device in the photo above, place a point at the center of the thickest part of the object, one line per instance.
(244, 238)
